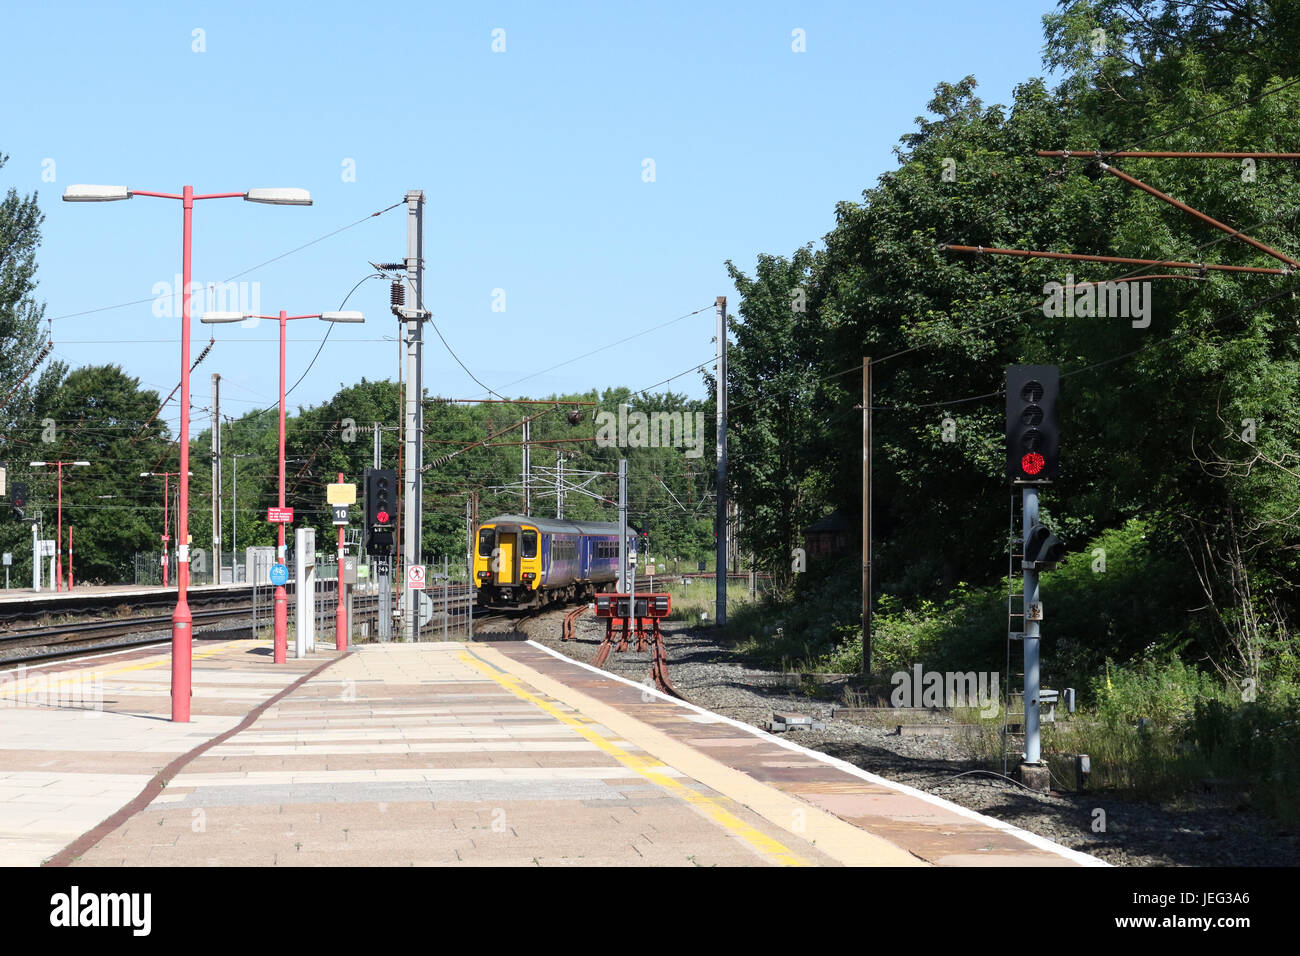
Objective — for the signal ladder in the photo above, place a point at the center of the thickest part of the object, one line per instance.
(1013, 723)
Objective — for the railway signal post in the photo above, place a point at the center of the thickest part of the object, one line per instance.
(380, 523)
(1032, 459)
(339, 496)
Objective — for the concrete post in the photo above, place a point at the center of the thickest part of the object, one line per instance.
(622, 525)
(412, 479)
(720, 558)
(305, 576)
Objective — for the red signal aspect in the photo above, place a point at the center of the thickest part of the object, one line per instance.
(1032, 463)
(382, 516)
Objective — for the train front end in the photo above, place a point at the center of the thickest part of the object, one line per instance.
(507, 564)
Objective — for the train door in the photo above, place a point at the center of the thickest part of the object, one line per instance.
(505, 557)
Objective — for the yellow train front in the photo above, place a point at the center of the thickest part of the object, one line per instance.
(526, 562)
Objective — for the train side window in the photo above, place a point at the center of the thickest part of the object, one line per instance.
(530, 544)
(487, 540)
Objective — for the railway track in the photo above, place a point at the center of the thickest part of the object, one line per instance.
(616, 640)
(70, 639)
(41, 607)
(62, 625)
(659, 666)
(570, 620)
(21, 645)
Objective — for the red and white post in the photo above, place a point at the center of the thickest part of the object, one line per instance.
(341, 616)
(282, 596)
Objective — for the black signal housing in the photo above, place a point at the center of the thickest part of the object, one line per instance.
(1033, 430)
(381, 510)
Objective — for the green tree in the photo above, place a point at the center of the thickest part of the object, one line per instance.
(22, 384)
(1189, 421)
(775, 436)
(101, 415)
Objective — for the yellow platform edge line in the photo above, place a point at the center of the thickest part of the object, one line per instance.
(842, 841)
(650, 768)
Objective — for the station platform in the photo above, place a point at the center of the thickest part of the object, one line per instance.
(18, 595)
(438, 754)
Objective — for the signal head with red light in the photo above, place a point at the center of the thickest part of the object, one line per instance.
(1033, 434)
(381, 485)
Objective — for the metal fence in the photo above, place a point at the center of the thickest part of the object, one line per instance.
(445, 605)
(148, 570)
(447, 601)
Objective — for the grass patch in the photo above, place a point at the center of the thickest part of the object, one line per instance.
(1160, 729)
(690, 601)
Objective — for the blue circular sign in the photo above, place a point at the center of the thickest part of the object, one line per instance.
(279, 574)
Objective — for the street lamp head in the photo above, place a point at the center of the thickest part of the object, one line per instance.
(280, 197)
(211, 317)
(84, 193)
(342, 317)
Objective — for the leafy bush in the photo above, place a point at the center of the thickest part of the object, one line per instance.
(1256, 742)
(1158, 687)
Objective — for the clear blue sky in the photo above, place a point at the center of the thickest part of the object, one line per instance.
(531, 160)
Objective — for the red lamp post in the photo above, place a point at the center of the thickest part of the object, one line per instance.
(182, 619)
(166, 476)
(281, 596)
(58, 547)
(340, 617)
